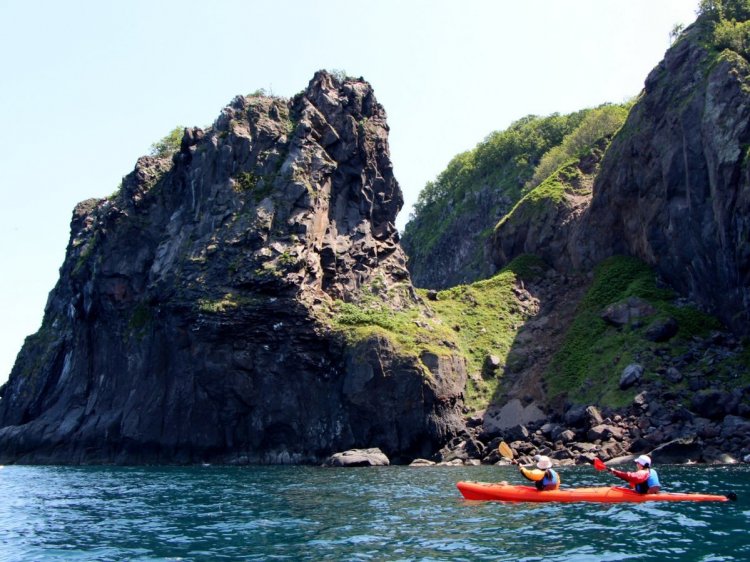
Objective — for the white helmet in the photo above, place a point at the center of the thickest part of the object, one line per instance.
(644, 460)
(544, 463)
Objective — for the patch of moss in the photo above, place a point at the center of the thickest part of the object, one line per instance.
(549, 193)
(226, 303)
(246, 181)
(588, 365)
(86, 252)
(485, 316)
(140, 318)
(410, 331)
(258, 187)
(527, 267)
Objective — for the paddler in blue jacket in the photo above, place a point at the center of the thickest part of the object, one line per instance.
(543, 477)
(645, 480)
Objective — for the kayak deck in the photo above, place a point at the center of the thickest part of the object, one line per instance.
(604, 494)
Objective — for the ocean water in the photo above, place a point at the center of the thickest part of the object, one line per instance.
(391, 513)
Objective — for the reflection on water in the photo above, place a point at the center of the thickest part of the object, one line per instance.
(393, 513)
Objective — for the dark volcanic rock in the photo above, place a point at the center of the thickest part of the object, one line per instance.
(674, 187)
(192, 318)
(548, 227)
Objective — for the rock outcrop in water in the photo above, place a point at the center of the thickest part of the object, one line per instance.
(193, 321)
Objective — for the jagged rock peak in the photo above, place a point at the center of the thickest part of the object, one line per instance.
(314, 172)
(193, 317)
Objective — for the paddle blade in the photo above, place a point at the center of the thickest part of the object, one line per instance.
(504, 449)
(599, 465)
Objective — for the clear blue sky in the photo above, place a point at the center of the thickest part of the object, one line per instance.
(88, 85)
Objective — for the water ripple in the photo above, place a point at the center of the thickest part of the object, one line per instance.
(395, 513)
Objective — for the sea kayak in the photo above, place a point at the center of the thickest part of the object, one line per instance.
(604, 494)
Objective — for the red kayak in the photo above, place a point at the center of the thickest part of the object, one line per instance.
(604, 494)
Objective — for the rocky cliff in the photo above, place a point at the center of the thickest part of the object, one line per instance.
(674, 186)
(673, 189)
(193, 319)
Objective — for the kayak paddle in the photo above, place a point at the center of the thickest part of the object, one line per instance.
(504, 449)
(599, 465)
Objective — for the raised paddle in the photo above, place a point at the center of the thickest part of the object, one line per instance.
(599, 465)
(504, 449)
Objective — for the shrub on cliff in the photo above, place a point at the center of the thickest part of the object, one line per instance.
(727, 24)
(169, 144)
(599, 123)
(717, 10)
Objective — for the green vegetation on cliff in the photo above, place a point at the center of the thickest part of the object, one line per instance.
(588, 365)
(411, 329)
(485, 317)
(475, 190)
(604, 121)
(727, 24)
(169, 144)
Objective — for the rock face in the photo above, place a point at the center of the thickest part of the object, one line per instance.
(674, 186)
(459, 255)
(549, 225)
(192, 323)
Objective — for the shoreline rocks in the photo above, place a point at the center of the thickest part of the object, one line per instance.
(582, 433)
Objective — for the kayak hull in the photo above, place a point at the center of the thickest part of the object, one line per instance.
(605, 494)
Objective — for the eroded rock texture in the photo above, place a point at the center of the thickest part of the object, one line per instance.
(674, 186)
(192, 322)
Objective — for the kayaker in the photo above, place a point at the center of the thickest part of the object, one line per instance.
(543, 477)
(645, 480)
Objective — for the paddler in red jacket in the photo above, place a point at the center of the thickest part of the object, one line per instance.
(645, 480)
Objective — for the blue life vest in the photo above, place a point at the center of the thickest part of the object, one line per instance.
(550, 477)
(653, 480)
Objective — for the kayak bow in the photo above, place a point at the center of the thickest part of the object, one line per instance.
(604, 494)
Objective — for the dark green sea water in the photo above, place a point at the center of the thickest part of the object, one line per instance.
(393, 513)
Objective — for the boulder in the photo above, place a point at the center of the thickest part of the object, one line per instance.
(631, 375)
(567, 436)
(627, 311)
(661, 330)
(605, 431)
(575, 416)
(733, 426)
(673, 375)
(421, 463)
(593, 416)
(358, 457)
(491, 366)
(497, 419)
(710, 404)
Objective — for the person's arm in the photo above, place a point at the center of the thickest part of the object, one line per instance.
(631, 478)
(533, 475)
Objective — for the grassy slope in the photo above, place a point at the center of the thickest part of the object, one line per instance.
(588, 366)
(484, 318)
